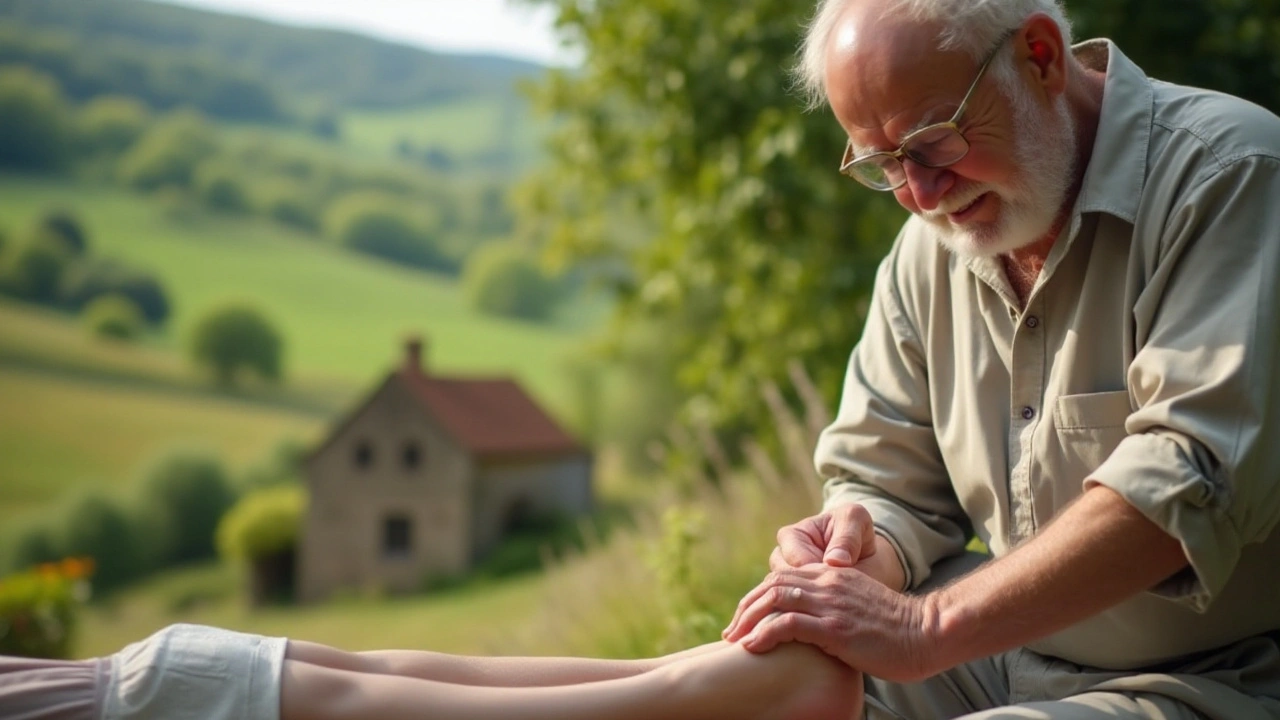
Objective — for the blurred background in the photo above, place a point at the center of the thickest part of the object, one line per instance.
(244, 244)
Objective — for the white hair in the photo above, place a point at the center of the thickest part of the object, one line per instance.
(970, 26)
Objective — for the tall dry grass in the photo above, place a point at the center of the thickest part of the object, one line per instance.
(674, 580)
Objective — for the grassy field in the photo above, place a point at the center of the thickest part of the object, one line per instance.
(60, 432)
(468, 128)
(343, 316)
(476, 619)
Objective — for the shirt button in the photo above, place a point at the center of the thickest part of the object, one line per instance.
(1033, 322)
(1028, 413)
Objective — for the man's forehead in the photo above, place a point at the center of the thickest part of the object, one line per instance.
(887, 72)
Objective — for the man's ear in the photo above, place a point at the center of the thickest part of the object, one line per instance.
(1042, 54)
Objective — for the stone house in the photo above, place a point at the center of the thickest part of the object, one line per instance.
(426, 475)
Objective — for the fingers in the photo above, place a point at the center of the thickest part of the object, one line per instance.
(777, 561)
(787, 627)
(853, 535)
(804, 542)
(775, 594)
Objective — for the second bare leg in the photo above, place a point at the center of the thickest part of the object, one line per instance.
(484, 671)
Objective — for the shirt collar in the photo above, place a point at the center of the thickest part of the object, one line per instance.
(1117, 169)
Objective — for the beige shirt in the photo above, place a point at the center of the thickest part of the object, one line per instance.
(1146, 360)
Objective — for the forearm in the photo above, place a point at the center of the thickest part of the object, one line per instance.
(1099, 552)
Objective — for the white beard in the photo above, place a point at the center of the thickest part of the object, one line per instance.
(1044, 149)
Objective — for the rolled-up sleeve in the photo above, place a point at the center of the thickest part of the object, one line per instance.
(881, 450)
(1202, 454)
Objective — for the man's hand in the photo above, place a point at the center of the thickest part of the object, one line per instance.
(836, 538)
(847, 614)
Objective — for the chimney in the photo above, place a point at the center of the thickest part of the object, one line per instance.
(414, 354)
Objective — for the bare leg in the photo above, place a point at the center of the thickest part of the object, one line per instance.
(483, 671)
(794, 682)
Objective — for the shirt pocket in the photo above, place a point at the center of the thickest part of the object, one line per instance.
(1089, 427)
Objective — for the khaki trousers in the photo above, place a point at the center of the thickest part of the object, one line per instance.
(1239, 682)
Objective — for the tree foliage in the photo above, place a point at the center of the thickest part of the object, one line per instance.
(184, 495)
(114, 317)
(504, 279)
(33, 121)
(379, 224)
(682, 156)
(237, 337)
(89, 278)
(169, 153)
(110, 124)
(263, 523)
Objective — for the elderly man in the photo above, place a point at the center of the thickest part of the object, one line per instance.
(1071, 352)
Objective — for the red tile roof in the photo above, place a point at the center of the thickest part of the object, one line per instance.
(488, 416)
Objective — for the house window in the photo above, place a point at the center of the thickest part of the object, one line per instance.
(364, 454)
(397, 536)
(411, 455)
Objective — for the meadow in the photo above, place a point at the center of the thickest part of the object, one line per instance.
(468, 129)
(344, 316)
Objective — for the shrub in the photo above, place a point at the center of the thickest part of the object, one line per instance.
(219, 188)
(32, 544)
(504, 280)
(285, 202)
(38, 609)
(169, 152)
(237, 337)
(110, 125)
(379, 225)
(33, 128)
(90, 278)
(184, 495)
(114, 317)
(92, 525)
(265, 522)
(34, 269)
(67, 229)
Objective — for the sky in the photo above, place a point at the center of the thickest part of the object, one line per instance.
(500, 27)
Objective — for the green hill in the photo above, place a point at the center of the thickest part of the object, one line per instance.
(322, 68)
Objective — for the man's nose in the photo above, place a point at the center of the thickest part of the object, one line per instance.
(926, 186)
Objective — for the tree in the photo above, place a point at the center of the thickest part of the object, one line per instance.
(114, 317)
(33, 270)
(169, 152)
(88, 278)
(184, 495)
(234, 338)
(381, 225)
(219, 187)
(33, 121)
(67, 228)
(110, 125)
(502, 279)
(682, 166)
(93, 525)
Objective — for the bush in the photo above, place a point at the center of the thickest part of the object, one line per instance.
(34, 269)
(379, 225)
(94, 526)
(220, 189)
(169, 152)
(66, 228)
(184, 495)
(33, 128)
(282, 466)
(90, 278)
(237, 337)
(30, 545)
(114, 317)
(38, 609)
(286, 203)
(110, 125)
(504, 280)
(264, 523)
